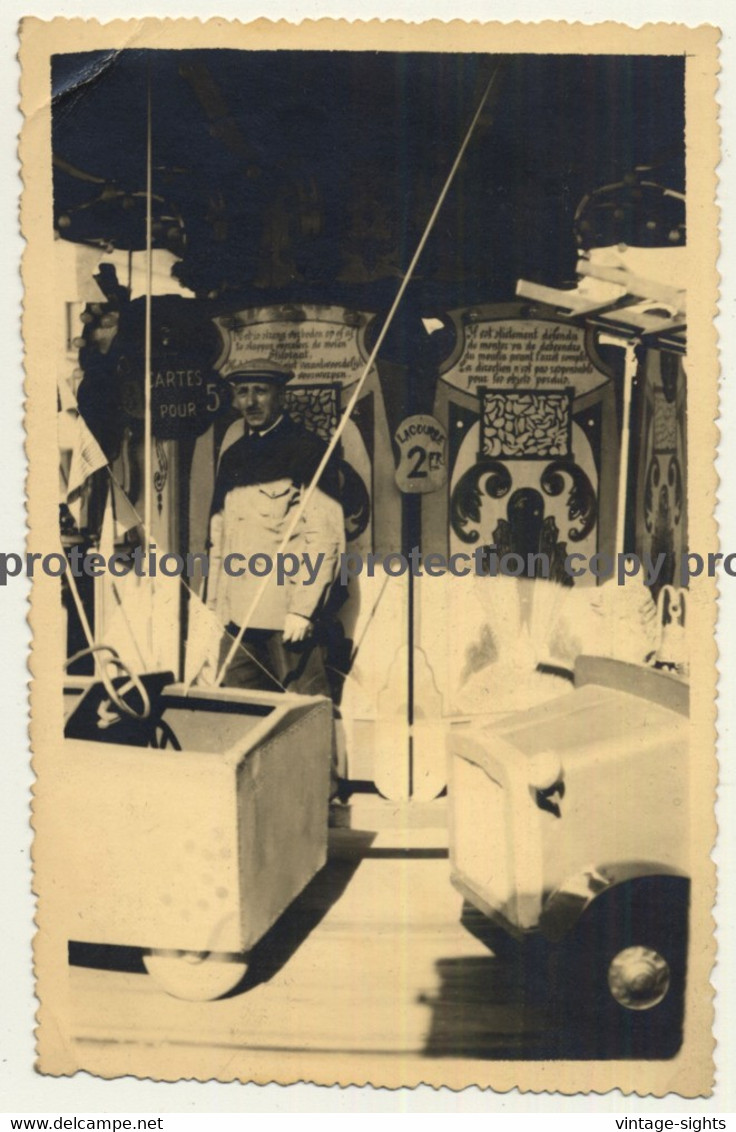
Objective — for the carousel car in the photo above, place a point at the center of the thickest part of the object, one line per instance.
(569, 830)
(192, 818)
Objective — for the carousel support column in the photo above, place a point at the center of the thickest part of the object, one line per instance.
(630, 368)
(412, 538)
(167, 593)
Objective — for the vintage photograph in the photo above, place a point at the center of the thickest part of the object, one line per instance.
(375, 586)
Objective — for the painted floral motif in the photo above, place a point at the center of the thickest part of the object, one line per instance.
(665, 423)
(315, 407)
(529, 424)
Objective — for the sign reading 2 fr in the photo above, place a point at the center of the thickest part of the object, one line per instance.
(422, 444)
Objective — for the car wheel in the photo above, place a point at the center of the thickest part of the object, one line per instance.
(619, 978)
(198, 976)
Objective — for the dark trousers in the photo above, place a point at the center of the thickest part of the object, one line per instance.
(265, 663)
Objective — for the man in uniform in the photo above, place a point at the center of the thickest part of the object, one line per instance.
(266, 463)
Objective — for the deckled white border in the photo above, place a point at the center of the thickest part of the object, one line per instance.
(21, 1089)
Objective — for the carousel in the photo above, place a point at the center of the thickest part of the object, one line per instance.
(487, 331)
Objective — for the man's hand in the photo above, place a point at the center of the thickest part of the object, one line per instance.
(296, 628)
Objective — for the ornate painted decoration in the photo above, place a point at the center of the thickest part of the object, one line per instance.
(161, 474)
(356, 504)
(527, 528)
(581, 499)
(664, 493)
(526, 425)
(487, 477)
(315, 407)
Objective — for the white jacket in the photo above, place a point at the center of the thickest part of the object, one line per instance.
(253, 521)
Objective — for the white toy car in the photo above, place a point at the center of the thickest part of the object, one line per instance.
(569, 823)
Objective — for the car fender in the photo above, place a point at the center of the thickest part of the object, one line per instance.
(563, 908)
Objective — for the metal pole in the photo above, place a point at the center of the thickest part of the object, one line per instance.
(630, 367)
(147, 437)
(147, 431)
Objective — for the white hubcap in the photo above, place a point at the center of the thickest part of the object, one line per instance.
(639, 978)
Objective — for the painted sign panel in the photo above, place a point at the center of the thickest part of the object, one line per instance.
(320, 344)
(184, 399)
(422, 444)
(522, 354)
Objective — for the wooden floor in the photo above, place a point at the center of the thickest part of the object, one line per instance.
(377, 956)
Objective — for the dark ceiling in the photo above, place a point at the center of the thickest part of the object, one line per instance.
(310, 175)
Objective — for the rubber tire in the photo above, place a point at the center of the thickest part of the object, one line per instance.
(650, 912)
(195, 976)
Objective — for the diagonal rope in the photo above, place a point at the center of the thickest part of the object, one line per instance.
(304, 502)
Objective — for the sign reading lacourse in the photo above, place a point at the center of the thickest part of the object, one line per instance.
(422, 466)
